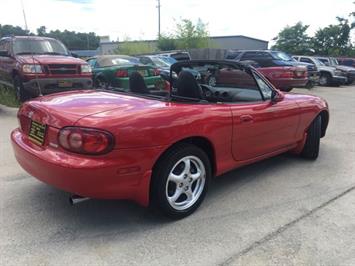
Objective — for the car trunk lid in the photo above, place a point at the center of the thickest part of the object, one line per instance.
(65, 109)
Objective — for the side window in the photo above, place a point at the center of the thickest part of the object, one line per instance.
(264, 88)
(348, 62)
(306, 60)
(248, 56)
(234, 85)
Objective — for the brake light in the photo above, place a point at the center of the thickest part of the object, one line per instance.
(85, 140)
(167, 86)
(122, 73)
(286, 74)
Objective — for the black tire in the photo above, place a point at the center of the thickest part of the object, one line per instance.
(309, 85)
(160, 183)
(311, 147)
(325, 79)
(101, 83)
(21, 94)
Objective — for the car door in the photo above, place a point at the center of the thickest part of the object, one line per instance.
(262, 126)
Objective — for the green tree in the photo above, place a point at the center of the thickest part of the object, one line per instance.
(293, 39)
(41, 31)
(8, 30)
(129, 47)
(190, 35)
(334, 40)
(166, 42)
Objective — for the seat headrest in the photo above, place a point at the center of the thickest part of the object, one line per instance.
(137, 84)
(187, 86)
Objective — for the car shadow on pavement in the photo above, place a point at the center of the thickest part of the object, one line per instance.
(112, 217)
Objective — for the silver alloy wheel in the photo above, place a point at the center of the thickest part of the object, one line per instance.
(185, 183)
(323, 80)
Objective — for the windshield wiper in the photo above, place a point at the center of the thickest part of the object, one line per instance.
(25, 53)
(53, 53)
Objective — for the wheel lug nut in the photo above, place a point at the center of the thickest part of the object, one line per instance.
(190, 179)
(181, 184)
(186, 188)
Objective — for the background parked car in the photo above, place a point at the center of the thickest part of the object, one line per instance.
(347, 71)
(157, 62)
(279, 68)
(37, 65)
(114, 71)
(177, 55)
(328, 75)
(346, 61)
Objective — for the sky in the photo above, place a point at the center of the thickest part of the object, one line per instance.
(138, 19)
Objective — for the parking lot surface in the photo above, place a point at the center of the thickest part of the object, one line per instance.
(283, 210)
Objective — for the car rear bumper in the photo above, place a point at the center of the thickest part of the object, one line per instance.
(52, 85)
(124, 174)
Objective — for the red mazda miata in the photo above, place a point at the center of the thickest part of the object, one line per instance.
(162, 148)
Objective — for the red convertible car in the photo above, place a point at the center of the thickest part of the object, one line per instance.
(163, 149)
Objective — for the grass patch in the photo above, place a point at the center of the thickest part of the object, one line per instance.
(8, 97)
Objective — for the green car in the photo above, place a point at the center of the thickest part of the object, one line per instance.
(113, 71)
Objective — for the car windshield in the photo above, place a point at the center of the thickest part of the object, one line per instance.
(159, 62)
(334, 61)
(318, 62)
(44, 46)
(282, 56)
(169, 60)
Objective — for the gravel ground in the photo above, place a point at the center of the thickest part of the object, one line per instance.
(283, 211)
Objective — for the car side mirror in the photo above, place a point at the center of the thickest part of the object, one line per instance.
(276, 96)
(4, 53)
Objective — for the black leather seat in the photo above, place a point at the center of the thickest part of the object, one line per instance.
(137, 84)
(187, 86)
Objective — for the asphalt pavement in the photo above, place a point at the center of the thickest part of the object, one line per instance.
(281, 211)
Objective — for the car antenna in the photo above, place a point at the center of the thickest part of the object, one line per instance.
(30, 47)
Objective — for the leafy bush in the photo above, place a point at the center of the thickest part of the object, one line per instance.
(8, 97)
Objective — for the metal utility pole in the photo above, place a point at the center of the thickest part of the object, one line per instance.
(158, 6)
(24, 15)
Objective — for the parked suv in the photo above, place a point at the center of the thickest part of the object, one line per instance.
(346, 61)
(328, 75)
(37, 65)
(347, 71)
(282, 70)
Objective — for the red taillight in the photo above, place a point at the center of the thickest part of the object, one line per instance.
(122, 73)
(167, 86)
(85, 140)
(286, 74)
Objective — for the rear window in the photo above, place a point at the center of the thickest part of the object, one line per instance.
(115, 61)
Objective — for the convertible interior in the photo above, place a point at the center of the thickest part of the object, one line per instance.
(207, 83)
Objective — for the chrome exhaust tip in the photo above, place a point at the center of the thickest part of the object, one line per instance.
(75, 199)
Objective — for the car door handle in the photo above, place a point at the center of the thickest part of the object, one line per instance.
(246, 118)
